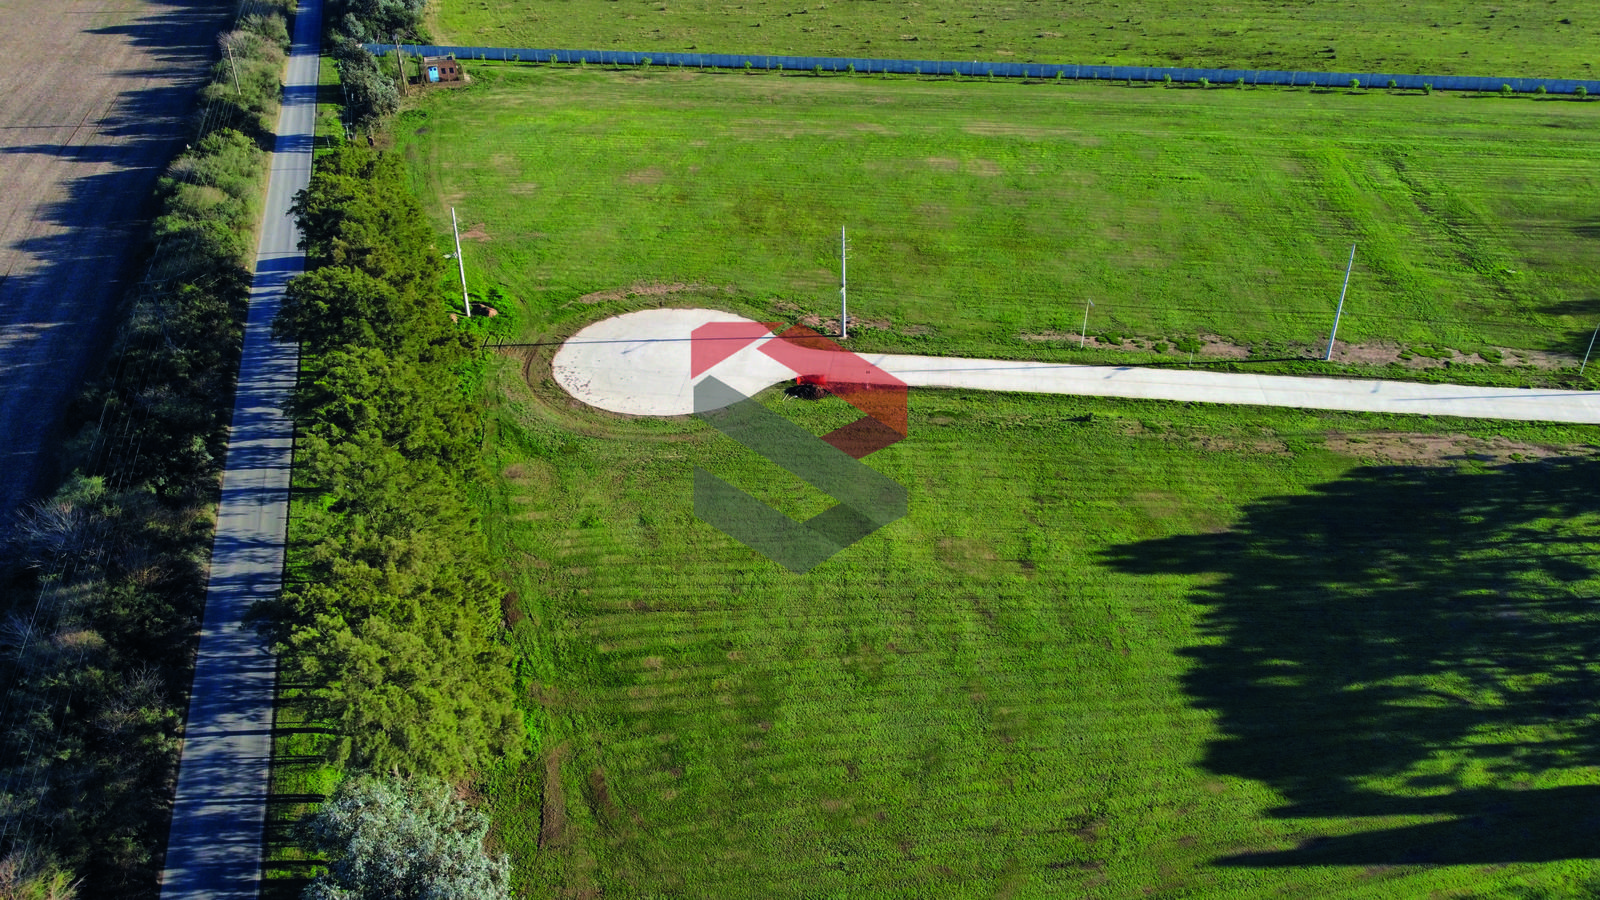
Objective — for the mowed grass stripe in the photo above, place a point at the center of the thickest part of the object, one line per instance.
(930, 716)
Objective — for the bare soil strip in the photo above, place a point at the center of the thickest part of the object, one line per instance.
(96, 104)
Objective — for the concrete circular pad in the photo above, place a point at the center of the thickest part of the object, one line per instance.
(640, 363)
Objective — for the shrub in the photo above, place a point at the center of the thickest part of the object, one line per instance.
(645, 63)
(817, 70)
(1239, 83)
(748, 66)
(1539, 90)
(780, 65)
(1392, 84)
(1205, 83)
(1427, 87)
(1355, 84)
(1506, 91)
(1166, 80)
(552, 59)
(390, 839)
(1580, 92)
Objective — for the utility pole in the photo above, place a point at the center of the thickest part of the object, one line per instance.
(1083, 334)
(400, 62)
(461, 266)
(844, 330)
(1340, 311)
(234, 68)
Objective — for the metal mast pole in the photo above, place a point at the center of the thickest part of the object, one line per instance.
(460, 265)
(844, 314)
(1083, 333)
(1590, 350)
(1340, 311)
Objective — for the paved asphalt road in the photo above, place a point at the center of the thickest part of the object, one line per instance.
(96, 100)
(639, 363)
(218, 815)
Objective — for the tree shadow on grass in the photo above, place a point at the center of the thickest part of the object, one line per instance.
(1408, 642)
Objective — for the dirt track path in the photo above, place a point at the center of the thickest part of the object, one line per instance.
(96, 99)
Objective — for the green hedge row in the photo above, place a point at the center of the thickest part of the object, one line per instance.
(390, 623)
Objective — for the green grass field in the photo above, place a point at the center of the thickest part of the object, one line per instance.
(1169, 651)
(1549, 38)
(982, 215)
(1173, 651)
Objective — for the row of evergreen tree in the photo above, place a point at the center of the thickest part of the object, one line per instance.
(389, 620)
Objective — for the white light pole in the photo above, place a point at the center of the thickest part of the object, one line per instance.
(461, 266)
(844, 316)
(1340, 311)
(1083, 333)
(1590, 350)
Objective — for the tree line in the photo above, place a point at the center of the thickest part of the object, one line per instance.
(103, 583)
(389, 623)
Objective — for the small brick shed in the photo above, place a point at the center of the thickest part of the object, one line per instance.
(440, 69)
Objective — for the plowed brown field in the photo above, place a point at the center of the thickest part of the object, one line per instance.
(94, 104)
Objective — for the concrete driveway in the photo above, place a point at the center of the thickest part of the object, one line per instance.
(640, 364)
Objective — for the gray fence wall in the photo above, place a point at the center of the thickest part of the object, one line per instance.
(998, 69)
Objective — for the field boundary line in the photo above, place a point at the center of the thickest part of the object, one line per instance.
(982, 69)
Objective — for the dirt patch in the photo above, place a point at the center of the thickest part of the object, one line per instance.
(476, 233)
(1219, 444)
(652, 175)
(511, 609)
(1536, 358)
(1383, 353)
(944, 164)
(553, 814)
(641, 289)
(1216, 347)
(966, 553)
(600, 795)
(830, 326)
(1211, 346)
(1416, 448)
(987, 168)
